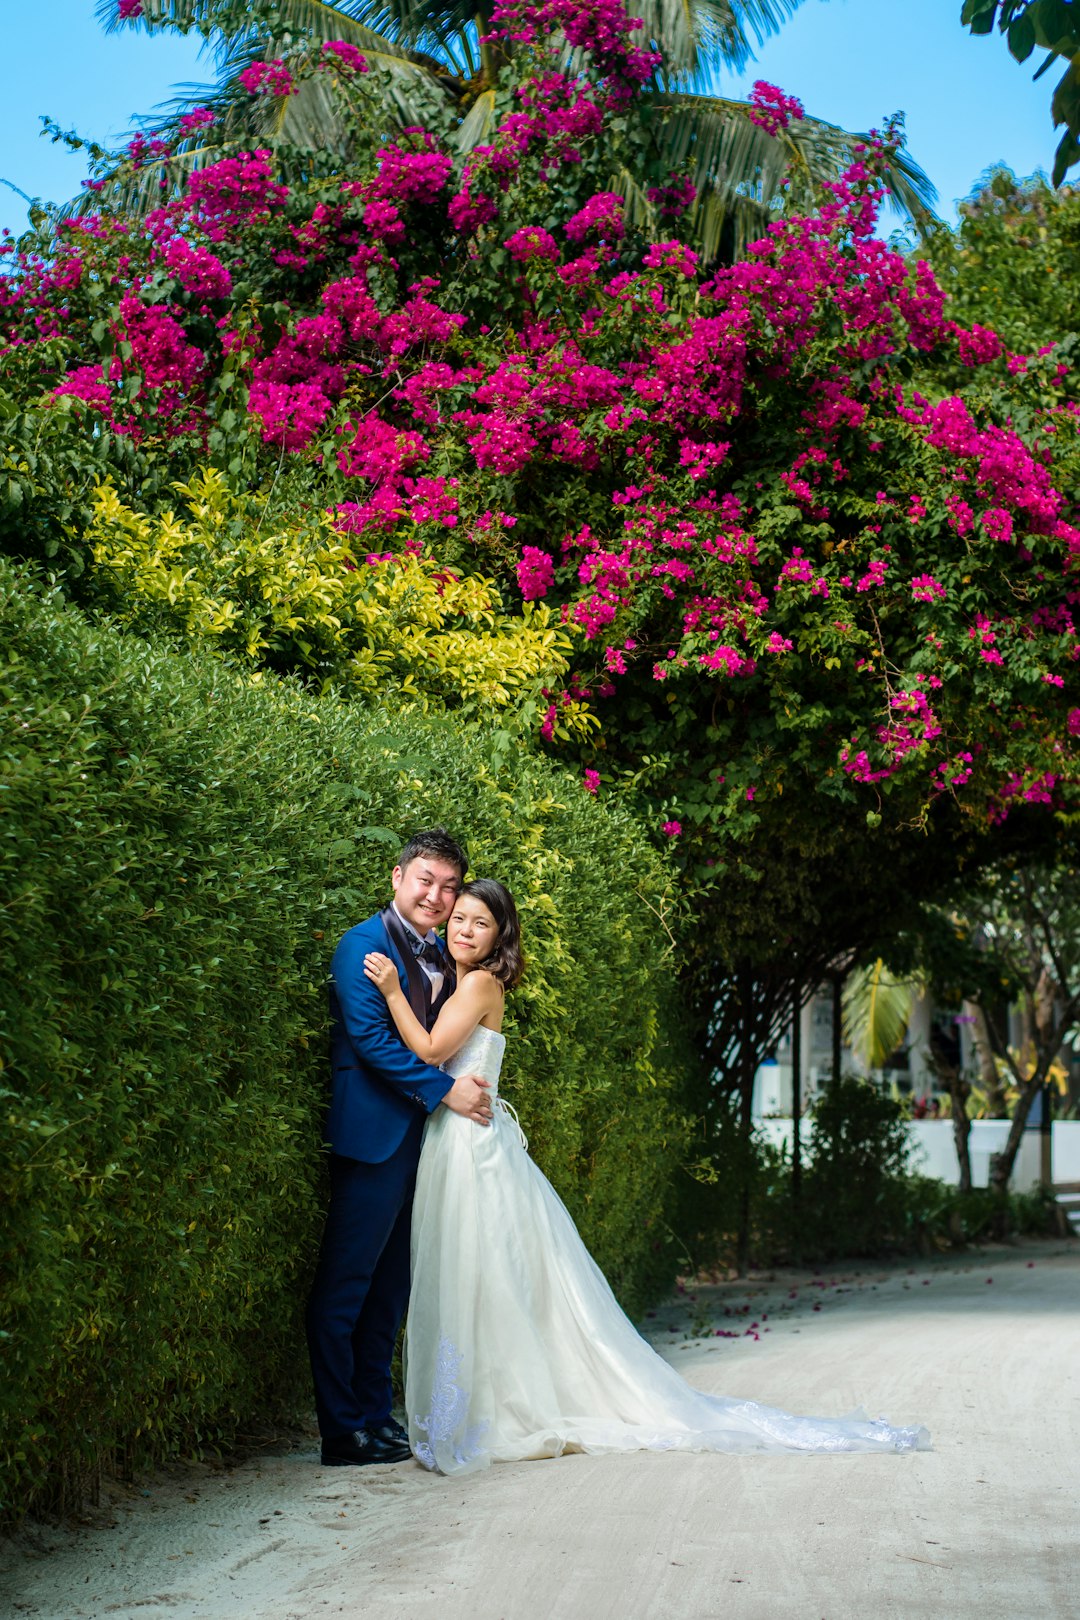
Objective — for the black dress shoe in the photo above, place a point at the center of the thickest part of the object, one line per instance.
(363, 1447)
(389, 1430)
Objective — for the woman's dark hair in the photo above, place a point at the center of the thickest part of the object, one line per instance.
(506, 963)
(437, 844)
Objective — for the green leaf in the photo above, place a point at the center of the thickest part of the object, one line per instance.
(979, 15)
(1066, 156)
(1022, 37)
(382, 835)
(1055, 25)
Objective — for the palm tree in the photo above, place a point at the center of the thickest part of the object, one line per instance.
(434, 71)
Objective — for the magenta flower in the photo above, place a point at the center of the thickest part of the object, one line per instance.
(268, 78)
(127, 9)
(467, 213)
(89, 384)
(601, 216)
(198, 118)
(674, 198)
(431, 501)
(592, 782)
(406, 177)
(670, 256)
(535, 572)
(383, 220)
(998, 524)
(234, 193)
(291, 413)
(532, 242)
(771, 110)
(379, 451)
(347, 57)
(672, 829)
(979, 346)
(196, 269)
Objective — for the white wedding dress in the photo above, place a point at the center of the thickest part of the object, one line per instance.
(516, 1346)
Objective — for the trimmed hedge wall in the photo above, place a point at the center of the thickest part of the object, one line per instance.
(179, 852)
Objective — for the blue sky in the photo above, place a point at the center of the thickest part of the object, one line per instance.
(853, 62)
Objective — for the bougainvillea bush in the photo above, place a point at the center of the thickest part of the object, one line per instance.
(789, 560)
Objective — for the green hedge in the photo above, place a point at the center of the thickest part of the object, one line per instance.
(179, 852)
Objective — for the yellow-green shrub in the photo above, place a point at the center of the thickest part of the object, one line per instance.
(295, 597)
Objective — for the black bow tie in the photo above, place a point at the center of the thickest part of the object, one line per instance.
(425, 950)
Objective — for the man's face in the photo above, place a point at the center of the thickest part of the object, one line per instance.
(425, 891)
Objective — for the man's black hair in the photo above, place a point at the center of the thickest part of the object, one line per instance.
(438, 845)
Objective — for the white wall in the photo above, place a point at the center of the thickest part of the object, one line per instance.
(935, 1151)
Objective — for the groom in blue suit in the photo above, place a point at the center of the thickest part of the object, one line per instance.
(382, 1093)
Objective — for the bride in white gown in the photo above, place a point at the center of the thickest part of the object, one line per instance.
(515, 1345)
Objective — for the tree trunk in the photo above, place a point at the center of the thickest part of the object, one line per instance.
(1046, 1140)
(1003, 1165)
(796, 1098)
(747, 1068)
(984, 1052)
(959, 1091)
(1042, 1042)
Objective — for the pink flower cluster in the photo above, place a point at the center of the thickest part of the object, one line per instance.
(291, 413)
(160, 347)
(602, 27)
(89, 384)
(532, 242)
(198, 271)
(417, 176)
(771, 110)
(268, 78)
(925, 588)
(535, 573)
(226, 197)
(601, 217)
(978, 346)
(671, 256)
(345, 56)
(674, 198)
(198, 118)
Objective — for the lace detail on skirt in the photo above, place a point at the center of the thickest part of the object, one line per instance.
(448, 1413)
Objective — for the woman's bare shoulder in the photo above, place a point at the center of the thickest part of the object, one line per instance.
(480, 985)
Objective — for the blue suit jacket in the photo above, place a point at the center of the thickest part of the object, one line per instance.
(378, 1084)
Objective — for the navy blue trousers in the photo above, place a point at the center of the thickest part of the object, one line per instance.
(361, 1287)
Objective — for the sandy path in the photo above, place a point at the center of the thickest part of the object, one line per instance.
(985, 1526)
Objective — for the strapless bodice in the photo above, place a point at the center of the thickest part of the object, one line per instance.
(482, 1054)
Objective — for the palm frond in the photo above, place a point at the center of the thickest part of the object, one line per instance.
(307, 122)
(876, 1013)
(699, 37)
(746, 177)
(475, 128)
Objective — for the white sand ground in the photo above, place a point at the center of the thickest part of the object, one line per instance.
(985, 1349)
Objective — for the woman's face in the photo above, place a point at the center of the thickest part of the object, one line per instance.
(472, 932)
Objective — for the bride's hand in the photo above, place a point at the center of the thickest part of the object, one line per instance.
(381, 971)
